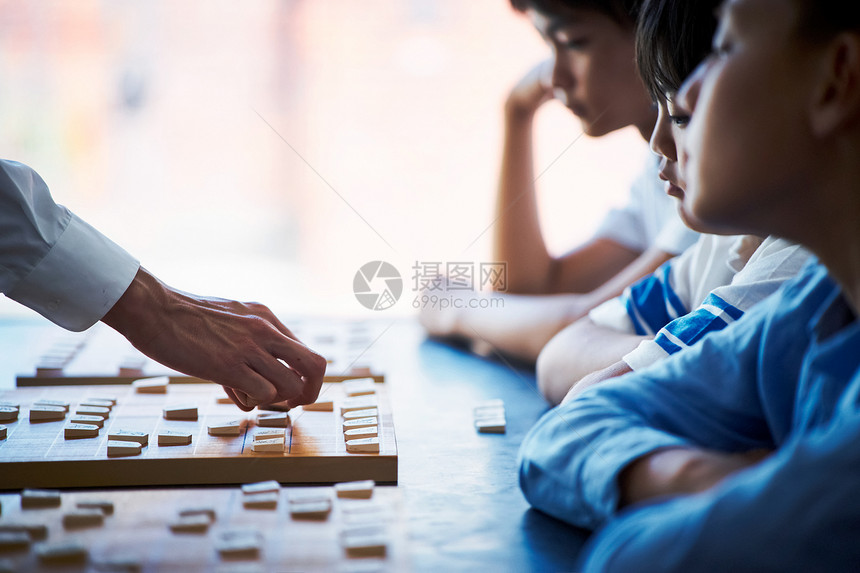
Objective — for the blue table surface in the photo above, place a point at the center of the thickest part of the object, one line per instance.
(463, 505)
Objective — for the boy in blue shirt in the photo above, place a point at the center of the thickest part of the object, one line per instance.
(741, 452)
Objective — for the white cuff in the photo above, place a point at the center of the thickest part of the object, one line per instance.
(647, 353)
(79, 280)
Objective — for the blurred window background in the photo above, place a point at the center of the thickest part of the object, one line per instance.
(265, 150)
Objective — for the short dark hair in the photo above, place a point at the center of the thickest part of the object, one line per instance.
(672, 37)
(821, 19)
(622, 11)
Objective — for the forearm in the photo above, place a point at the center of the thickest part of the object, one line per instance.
(519, 325)
(518, 240)
(578, 351)
(680, 471)
(242, 346)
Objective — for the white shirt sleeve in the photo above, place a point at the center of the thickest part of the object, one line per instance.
(649, 219)
(52, 261)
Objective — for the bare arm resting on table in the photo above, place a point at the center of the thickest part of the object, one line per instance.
(521, 325)
(234, 344)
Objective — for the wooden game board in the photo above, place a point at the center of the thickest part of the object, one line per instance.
(137, 531)
(38, 455)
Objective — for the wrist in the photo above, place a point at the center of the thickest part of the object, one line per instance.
(143, 298)
(518, 112)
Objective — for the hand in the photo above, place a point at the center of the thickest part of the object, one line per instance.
(532, 91)
(441, 308)
(680, 471)
(241, 346)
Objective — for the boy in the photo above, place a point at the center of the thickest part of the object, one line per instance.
(771, 149)
(710, 285)
(593, 72)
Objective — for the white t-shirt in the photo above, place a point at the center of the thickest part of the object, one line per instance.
(650, 218)
(51, 260)
(709, 286)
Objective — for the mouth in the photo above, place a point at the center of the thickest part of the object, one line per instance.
(674, 191)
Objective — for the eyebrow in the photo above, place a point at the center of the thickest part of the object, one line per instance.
(557, 23)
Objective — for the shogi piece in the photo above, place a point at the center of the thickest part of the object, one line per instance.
(263, 500)
(357, 403)
(102, 505)
(194, 523)
(209, 512)
(8, 414)
(102, 402)
(261, 487)
(62, 552)
(315, 508)
(3, 432)
(360, 433)
(183, 412)
(233, 428)
(83, 518)
(56, 403)
(40, 498)
(270, 434)
(47, 413)
(75, 431)
(156, 385)
(324, 405)
(102, 411)
(141, 438)
(355, 489)
(239, 544)
(491, 425)
(268, 446)
(489, 417)
(365, 541)
(363, 446)
(87, 420)
(119, 448)
(366, 413)
(360, 423)
(173, 438)
(359, 387)
(274, 420)
(36, 531)
(14, 541)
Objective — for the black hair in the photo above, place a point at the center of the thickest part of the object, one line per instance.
(821, 19)
(622, 11)
(672, 37)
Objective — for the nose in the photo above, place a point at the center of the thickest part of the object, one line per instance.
(561, 74)
(662, 141)
(688, 95)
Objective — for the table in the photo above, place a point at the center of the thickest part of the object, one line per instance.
(462, 503)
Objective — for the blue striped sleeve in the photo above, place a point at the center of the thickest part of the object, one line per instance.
(652, 303)
(714, 314)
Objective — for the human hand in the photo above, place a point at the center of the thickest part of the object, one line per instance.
(241, 346)
(532, 91)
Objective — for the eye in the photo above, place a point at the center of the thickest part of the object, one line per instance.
(679, 120)
(576, 44)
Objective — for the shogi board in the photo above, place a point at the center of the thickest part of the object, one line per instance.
(138, 529)
(38, 455)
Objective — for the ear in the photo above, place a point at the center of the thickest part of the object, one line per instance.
(836, 103)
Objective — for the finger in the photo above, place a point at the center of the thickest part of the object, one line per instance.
(239, 398)
(285, 381)
(307, 363)
(250, 388)
(309, 395)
